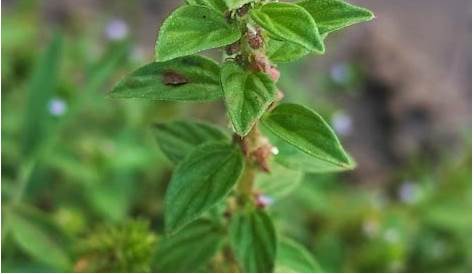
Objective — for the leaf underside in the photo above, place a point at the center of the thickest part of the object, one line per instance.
(177, 139)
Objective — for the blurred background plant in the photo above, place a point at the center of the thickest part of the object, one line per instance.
(81, 172)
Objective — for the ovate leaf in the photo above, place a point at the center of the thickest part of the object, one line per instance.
(332, 15)
(179, 138)
(190, 78)
(279, 181)
(39, 241)
(234, 4)
(253, 240)
(294, 258)
(200, 181)
(189, 249)
(283, 51)
(191, 29)
(296, 159)
(217, 5)
(307, 131)
(247, 95)
(289, 22)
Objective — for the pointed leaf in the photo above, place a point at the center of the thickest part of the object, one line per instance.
(284, 51)
(217, 5)
(294, 258)
(189, 249)
(247, 95)
(332, 15)
(296, 159)
(253, 240)
(177, 139)
(289, 22)
(307, 131)
(190, 78)
(191, 29)
(200, 181)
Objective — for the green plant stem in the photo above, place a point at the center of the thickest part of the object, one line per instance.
(245, 186)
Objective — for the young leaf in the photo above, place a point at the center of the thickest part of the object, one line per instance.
(189, 249)
(253, 240)
(191, 29)
(283, 51)
(190, 78)
(217, 5)
(247, 95)
(179, 138)
(307, 131)
(279, 182)
(289, 22)
(332, 15)
(294, 258)
(235, 4)
(38, 242)
(200, 181)
(296, 159)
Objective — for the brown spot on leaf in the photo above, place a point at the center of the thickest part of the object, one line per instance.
(172, 78)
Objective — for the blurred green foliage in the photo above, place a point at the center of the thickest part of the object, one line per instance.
(73, 160)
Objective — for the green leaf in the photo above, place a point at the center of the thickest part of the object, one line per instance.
(189, 249)
(253, 240)
(279, 182)
(332, 15)
(289, 22)
(190, 78)
(235, 4)
(41, 89)
(296, 159)
(307, 131)
(217, 5)
(191, 29)
(41, 243)
(247, 95)
(284, 51)
(177, 139)
(294, 258)
(200, 181)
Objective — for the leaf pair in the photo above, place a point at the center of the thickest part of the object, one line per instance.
(311, 21)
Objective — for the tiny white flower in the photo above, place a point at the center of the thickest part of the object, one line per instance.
(340, 73)
(116, 30)
(57, 107)
(275, 151)
(342, 123)
(265, 200)
(408, 192)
